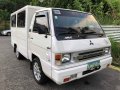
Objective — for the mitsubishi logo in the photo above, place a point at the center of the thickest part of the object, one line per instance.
(91, 43)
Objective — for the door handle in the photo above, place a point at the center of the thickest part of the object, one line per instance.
(31, 38)
(48, 48)
(29, 30)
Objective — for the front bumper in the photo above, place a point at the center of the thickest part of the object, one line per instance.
(59, 75)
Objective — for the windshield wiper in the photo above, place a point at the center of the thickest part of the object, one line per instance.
(69, 31)
(81, 36)
(99, 34)
(87, 31)
(65, 33)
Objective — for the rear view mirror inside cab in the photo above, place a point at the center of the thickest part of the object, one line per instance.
(40, 16)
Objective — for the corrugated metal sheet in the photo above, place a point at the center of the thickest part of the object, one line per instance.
(112, 32)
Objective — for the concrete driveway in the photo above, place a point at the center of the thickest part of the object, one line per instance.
(16, 75)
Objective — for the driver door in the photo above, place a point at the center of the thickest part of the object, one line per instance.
(40, 40)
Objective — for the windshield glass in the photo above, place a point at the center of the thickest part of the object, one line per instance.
(75, 25)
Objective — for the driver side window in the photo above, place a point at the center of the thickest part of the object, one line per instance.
(41, 23)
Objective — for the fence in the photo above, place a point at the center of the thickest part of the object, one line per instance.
(112, 32)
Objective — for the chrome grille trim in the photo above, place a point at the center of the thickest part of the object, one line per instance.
(91, 54)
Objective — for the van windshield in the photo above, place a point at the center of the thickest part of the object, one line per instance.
(69, 25)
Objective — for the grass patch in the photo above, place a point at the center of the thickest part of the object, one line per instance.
(115, 68)
(115, 52)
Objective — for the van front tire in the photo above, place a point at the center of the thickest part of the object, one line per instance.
(38, 73)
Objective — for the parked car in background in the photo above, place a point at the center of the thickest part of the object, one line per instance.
(6, 32)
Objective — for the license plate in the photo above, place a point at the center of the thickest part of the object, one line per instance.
(93, 65)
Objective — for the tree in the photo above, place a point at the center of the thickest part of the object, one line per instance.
(77, 5)
(107, 11)
(4, 16)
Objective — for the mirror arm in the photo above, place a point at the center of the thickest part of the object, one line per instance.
(46, 35)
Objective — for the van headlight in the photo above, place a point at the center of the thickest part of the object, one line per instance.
(107, 50)
(62, 58)
(66, 58)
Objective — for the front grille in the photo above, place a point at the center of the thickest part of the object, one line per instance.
(91, 54)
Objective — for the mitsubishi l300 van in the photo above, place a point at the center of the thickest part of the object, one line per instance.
(61, 44)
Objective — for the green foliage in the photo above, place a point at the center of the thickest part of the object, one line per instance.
(77, 5)
(115, 52)
(4, 15)
(115, 10)
(106, 11)
(114, 4)
(35, 2)
(6, 8)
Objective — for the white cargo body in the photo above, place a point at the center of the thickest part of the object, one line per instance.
(61, 44)
(21, 33)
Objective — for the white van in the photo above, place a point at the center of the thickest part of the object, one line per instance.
(61, 44)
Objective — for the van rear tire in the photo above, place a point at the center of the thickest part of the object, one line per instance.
(18, 54)
(38, 73)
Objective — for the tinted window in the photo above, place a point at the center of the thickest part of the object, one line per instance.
(21, 19)
(41, 23)
(75, 25)
(13, 21)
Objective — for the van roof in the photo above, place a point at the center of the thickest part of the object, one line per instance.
(27, 6)
(38, 7)
(67, 9)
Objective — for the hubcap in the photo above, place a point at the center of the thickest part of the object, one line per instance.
(36, 71)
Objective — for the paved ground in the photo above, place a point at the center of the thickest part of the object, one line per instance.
(16, 75)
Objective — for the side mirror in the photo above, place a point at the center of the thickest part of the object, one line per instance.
(46, 36)
(46, 33)
(40, 31)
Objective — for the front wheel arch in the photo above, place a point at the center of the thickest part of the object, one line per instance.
(31, 62)
(44, 78)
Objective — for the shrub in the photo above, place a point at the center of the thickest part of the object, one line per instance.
(115, 52)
